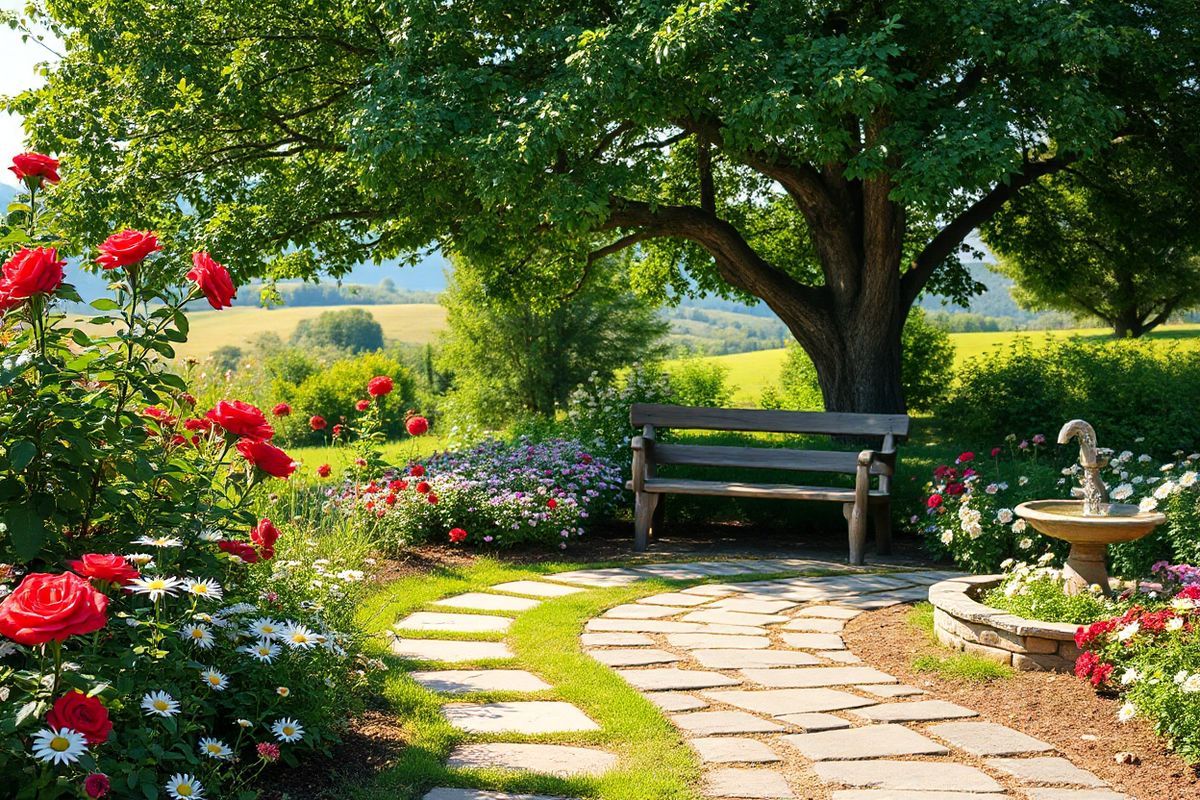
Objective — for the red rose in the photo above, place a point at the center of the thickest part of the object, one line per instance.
(164, 419)
(281, 410)
(963, 458)
(363, 405)
(241, 550)
(416, 425)
(317, 423)
(552, 503)
(995, 452)
(264, 534)
(110, 568)
(198, 424)
(432, 498)
(397, 485)
(35, 165)
(96, 785)
(324, 470)
(83, 714)
(416, 470)
(337, 431)
(934, 501)
(188, 398)
(457, 535)
(390, 499)
(422, 487)
(50, 608)
(267, 457)
(241, 419)
(212, 279)
(126, 248)
(30, 272)
(379, 386)
(954, 489)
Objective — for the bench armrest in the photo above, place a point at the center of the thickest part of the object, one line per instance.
(643, 460)
(884, 458)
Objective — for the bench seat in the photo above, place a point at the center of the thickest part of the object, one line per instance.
(770, 491)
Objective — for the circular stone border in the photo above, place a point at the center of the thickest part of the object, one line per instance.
(963, 623)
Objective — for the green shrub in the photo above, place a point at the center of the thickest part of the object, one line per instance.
(333, 391)
(700, 382)
(352, 329)
(1037, 592)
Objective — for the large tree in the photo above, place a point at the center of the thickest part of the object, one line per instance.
(827, 157)
(1116, 239)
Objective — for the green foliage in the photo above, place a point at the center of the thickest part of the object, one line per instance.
(1117, 386)
(1038, 593)
(700, 382)
(353, 329)
(959, 666)
(226, 357)
(332, 393)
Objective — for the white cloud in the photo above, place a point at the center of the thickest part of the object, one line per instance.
(18, 72)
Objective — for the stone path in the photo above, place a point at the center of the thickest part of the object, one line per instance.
(755, 675)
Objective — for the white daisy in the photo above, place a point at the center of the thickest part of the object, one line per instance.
(215, 748)
(211, 536)
(1122, 492)
(215, 679)
(59, 745)
(238, 608)
(298, 636)
(1188, 479)
(1148, 504)
(155, 587)
(1128, 632)
(266, 628)
(184, 787)
(1127, 712)
(206, 588)
(265, 651)
(161, 541)
(287, 730)
(244, 723)
(139, 559)
(1129, 676)
(1192, 684)
(1174, 624)
(160, 704)
(199, 635)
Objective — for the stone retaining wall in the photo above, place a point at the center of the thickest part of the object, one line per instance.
(961, 622)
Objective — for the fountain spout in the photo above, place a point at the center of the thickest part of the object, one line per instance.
(1095, 493)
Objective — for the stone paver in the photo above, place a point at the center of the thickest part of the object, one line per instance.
(675, 599)
(891, 690)
(538, 716)
(482, 601)
(813, 641)
(1046, 769)
(870, 741)
(815, 721)
(752, 659)
(776, 702)
(719, 616)
(800, 677)
(549, 759)
(718, 641)
(890, 774)
(633, 657)
(709, 723)
(753, 605)
(475, 794)
(454, 623)
(459, 681)
(733, 749)
(914, 711)
(1075, 794)
(751, 783)
(615, 640)
(815, 625)
(639, 611)
(841, 656)
(988, 739)
(537, 588)
(910, 794)
(604, 625)
(714, 589)
(599, 578)
(675, 701)
(666, 678)
(829, 612)
(449, 650)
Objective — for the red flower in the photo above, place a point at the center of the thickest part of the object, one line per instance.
(51, 608)
(954, 489)
(83, 714)
(164, 419)
(552, 503)
(30, 272)
(423, 487)
(963, 458)
(324, 470)
(35, 165)
(1101, 673)
(267, 457)
(110, 568)
(363, 405)
(416, 470)
(416, 425)
(126, 248)
(934, 501)
(267, 751)
(457, 535)
(995, 452)
(188, 398)
(96, 785)
(432, 498)
(379, 386)
(241, 419)
(397, 485)
(337, 431)
(317, 423)
(281, 410)
(1086, 662)
(241, 550)
(213, 280)
(264, 534)
(390, 499)
(1189, 593)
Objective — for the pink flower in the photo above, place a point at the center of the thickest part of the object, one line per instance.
(96, 785)
(267, 751)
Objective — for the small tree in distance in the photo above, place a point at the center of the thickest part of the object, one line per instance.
(353, 329)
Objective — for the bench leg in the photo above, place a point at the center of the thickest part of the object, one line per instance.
(857, 519)
(883, 528)
(660, 514)
(643, 519)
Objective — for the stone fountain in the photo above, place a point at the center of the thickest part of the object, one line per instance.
(1089, 523)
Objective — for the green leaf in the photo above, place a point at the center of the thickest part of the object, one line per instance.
(20, 454)
(27, 532)
(104, 304)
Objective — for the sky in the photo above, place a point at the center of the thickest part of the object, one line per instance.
(18, 62)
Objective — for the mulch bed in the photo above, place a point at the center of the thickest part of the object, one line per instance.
(1057, 708)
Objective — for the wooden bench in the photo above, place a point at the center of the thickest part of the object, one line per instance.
(648, 455)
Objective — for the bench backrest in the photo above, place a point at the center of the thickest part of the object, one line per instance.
(769, 421)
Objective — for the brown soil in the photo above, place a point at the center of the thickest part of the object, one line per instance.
(1059, 709)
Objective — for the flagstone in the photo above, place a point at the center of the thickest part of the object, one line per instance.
(453, 623)
(666, 678)
(730, 630)
(988, 738)
(538, 716)
(449, 650)
(753, 605)
(814, 722)
(489, 602)
(891, 690)
(813, 641)
(815, 625)
(675, 599)
(599, 578)
(788, 701)
(792, 678)
(747, 783)
(639, 611)
(710, 641)
(459, 681)
(747, 659)
(709, 723)
(714, 589)
(675, 701)
(1046, 769)
(732, 749)
(722, 617)
(475, 794)
(615, 640)
(841, 656)
(537, 588)
(916, 794)
(1075, 794)
(914, 711)
(829, 612)
(870, 741)
(634, 657)
(562, 761)
(641, 626)
(868, 602)
(891, 774)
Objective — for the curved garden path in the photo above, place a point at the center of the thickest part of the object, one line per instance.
(756, 676)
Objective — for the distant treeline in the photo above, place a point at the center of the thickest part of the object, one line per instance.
(297, 295)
